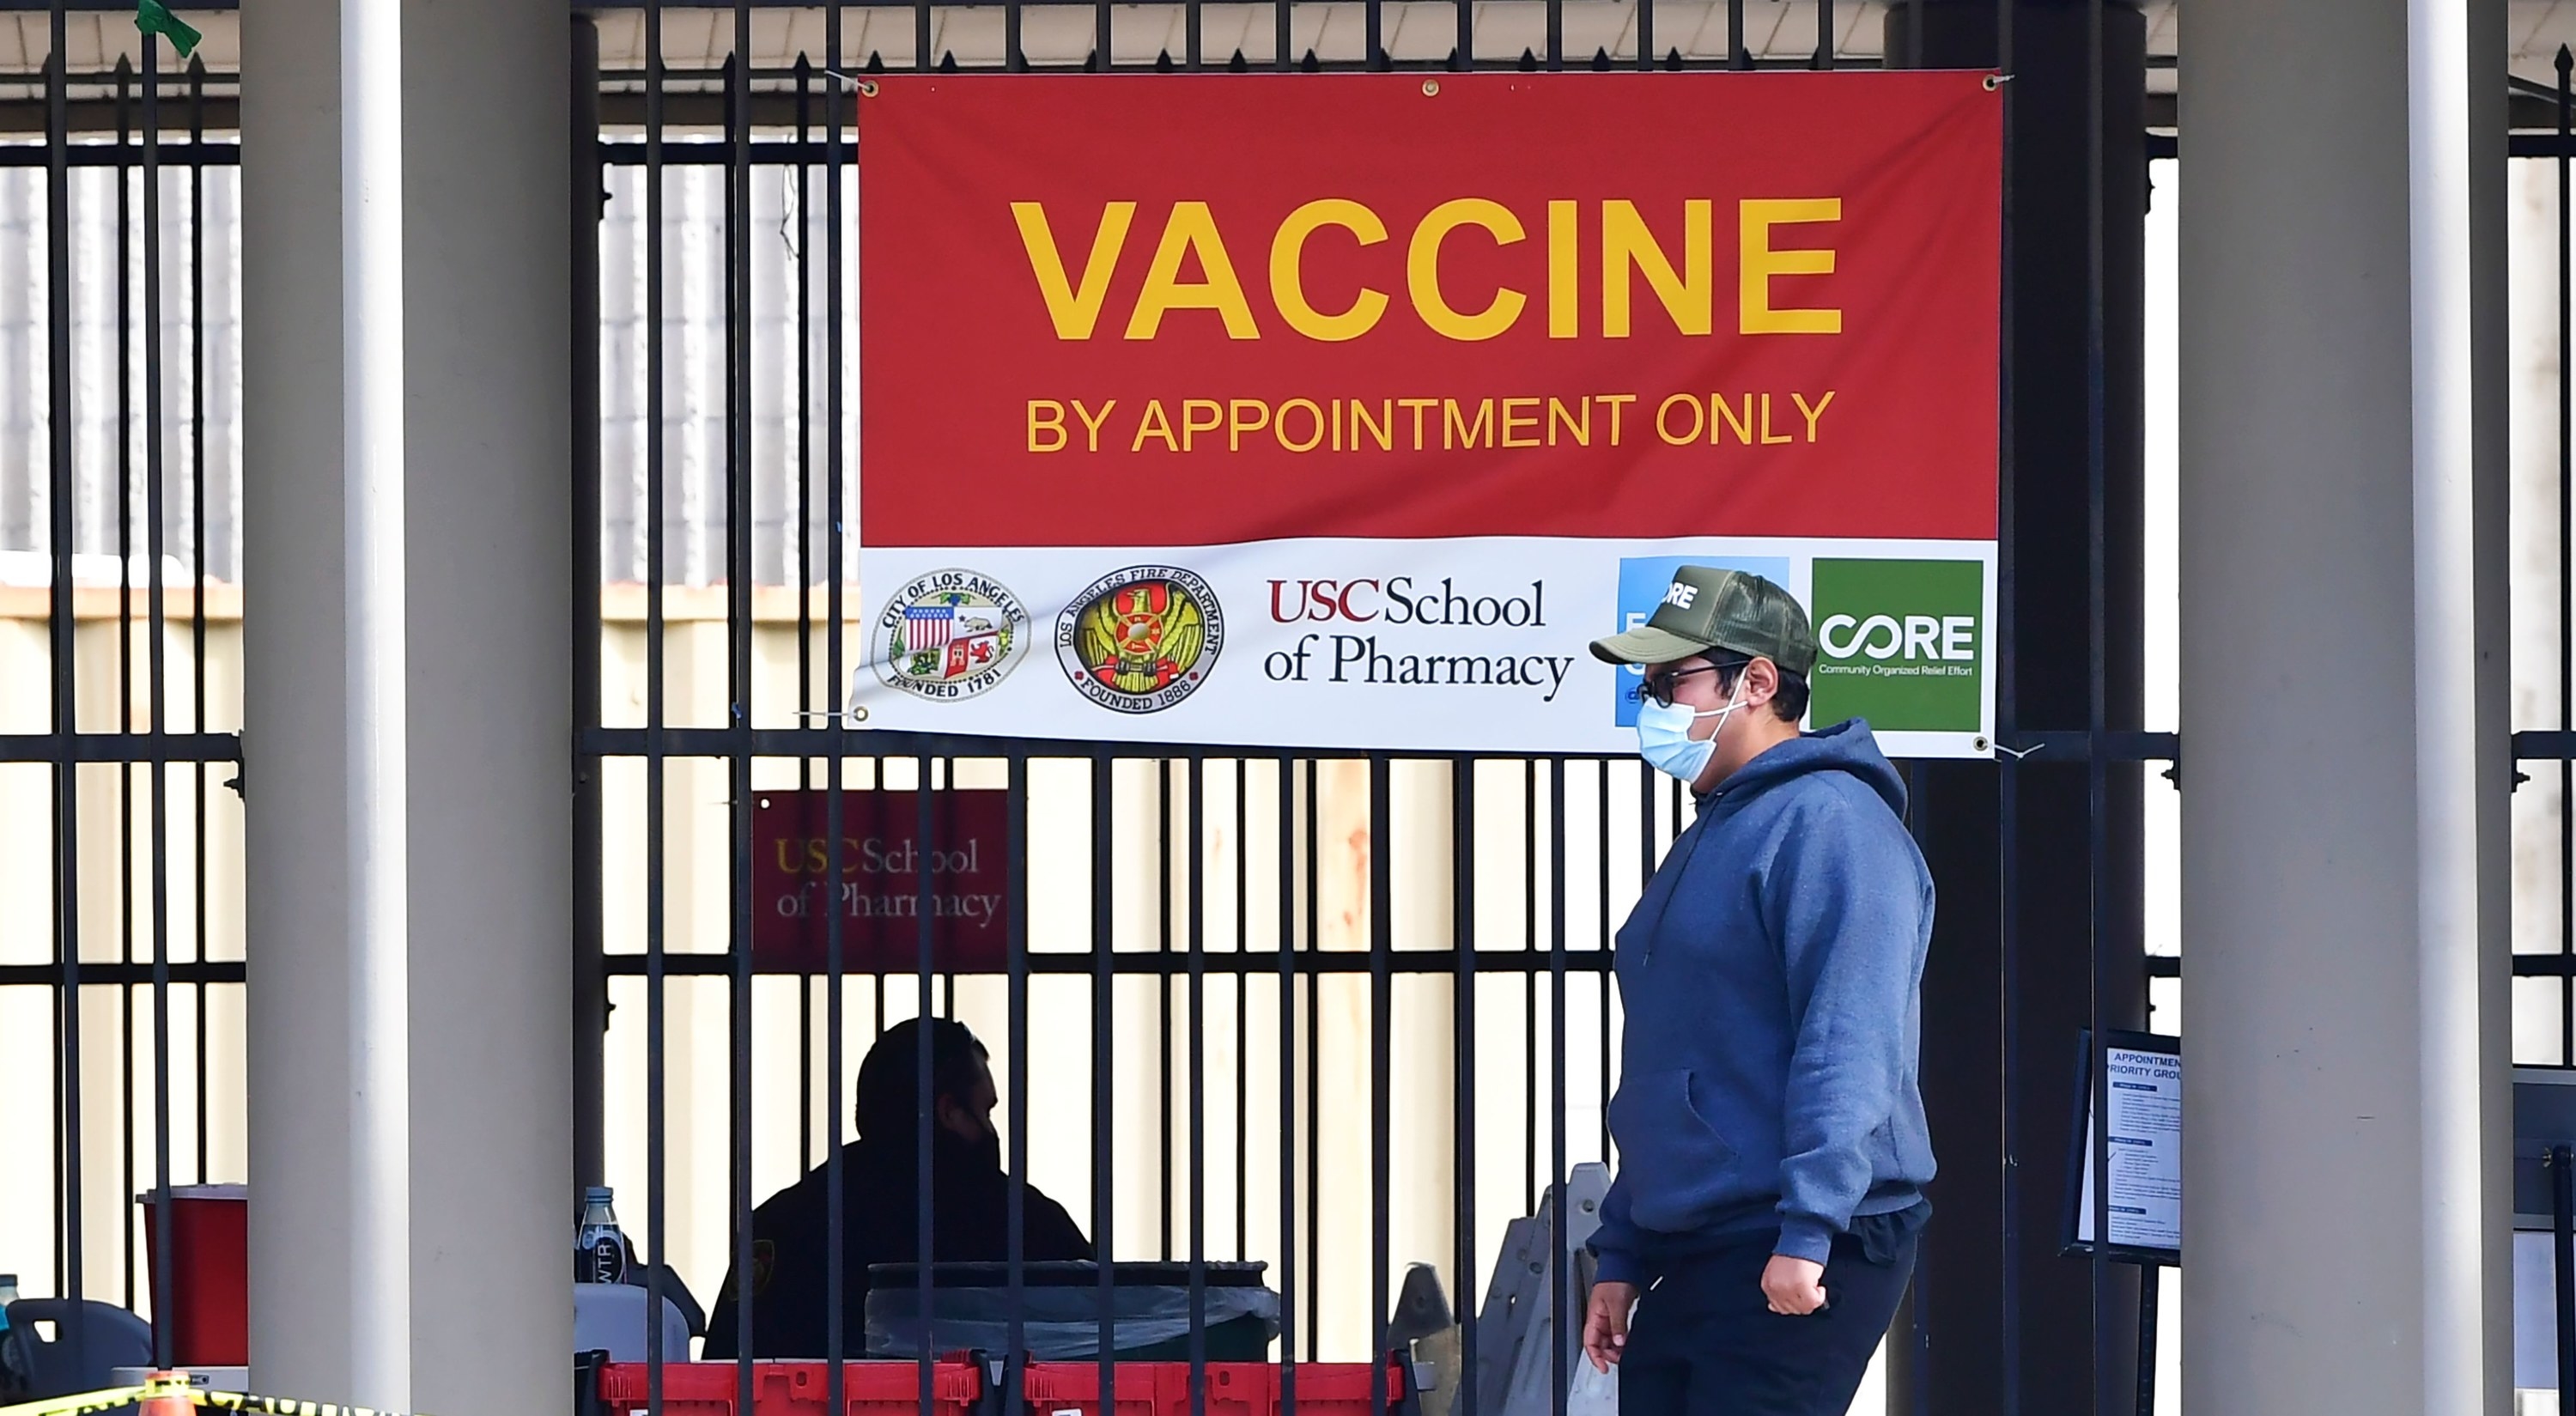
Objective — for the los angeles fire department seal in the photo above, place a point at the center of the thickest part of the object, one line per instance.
(1141, 639)
(950, 634)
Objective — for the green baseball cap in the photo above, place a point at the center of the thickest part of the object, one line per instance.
(1706, 608)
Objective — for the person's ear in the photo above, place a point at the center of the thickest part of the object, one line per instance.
(1761, 682)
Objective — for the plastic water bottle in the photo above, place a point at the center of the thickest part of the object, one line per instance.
(599, 1249)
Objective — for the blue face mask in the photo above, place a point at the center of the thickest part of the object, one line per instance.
(1664, 740)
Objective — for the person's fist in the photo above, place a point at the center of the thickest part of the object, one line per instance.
(1605, 1323)
(1795, 1287)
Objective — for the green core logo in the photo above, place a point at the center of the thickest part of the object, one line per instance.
(1903, 644)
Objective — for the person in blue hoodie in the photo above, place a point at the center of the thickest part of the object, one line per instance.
(1772, 1147)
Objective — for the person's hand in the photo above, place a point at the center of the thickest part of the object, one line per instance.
(1795, 1287)
(1605, 1323)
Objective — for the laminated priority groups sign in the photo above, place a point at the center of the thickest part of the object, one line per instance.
(1346, 410)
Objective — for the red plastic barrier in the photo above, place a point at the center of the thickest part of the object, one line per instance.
(794, 1388)
(1233, 1389)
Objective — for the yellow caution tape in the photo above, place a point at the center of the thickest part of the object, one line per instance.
(88, 1402)
(273, 1406)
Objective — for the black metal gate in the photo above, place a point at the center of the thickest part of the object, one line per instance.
(1167, 896)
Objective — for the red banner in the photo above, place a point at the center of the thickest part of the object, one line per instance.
(1156, 310)
(879, 892)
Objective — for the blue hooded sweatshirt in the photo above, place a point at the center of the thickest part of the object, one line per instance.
(1772, 979)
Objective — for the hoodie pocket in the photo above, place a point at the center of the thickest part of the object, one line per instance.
(1677, 1167)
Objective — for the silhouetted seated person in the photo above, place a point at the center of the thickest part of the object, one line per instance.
(970, 1200)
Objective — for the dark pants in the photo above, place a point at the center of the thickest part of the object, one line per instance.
(1704, 1341)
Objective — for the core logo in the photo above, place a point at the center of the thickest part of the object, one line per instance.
(1950, 638)
(1141, 639)
(1681, 595)
(1903, 644)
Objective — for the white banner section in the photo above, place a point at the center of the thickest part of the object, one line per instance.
(1452, 645)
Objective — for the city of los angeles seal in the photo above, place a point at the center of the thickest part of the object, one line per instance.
(950, 634)
(1141, 639)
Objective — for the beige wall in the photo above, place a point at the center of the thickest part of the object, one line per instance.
(1425, 1174)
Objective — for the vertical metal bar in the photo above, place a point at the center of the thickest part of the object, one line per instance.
(1193, 35)
(2007, 773)
(1015, 58)
(1529, 987)
(1016, 898)
(805, 1005)
(1104, 1010)
(125, 864)
(1462, 53)
(1196, 785)
(738, 678)
(1645, 35)
(1607, 980)
(588, 184)
(1289, 884)
(1557, 1294)
(1824, 35)
(1163, 1017)
(1462, 846)
(1374, 13)
(1555, 35)
(1242, 1010)
(2563, 1263)
(1279, 40)
(2566, 563)
(2097, 696)
(2149, 1280)
(922, 63)
(1101, 61)
(809, 702)
(1738, 55)
(656, 788)
(156, 502)
(1314, 1069)
(835, 1004)
(197, 554)
(925, 1092)
(1381, 1052)
(59, 626)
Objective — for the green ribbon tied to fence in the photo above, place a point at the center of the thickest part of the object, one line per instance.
(152, 17)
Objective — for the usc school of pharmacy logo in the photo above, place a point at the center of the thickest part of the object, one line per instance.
(1141, 639)
(950, 634)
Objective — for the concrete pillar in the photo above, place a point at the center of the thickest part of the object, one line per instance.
(468, 896)
(2342, 718)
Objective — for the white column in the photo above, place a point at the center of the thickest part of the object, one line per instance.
(407, 667)
(2340, 708)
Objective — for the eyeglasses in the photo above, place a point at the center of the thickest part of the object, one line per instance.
(1659, 691)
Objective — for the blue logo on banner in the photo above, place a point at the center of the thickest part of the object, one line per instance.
(1642, 582)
